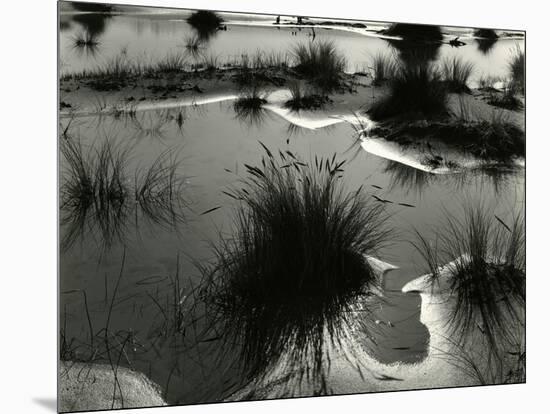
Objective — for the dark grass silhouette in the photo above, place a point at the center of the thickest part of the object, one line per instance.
(416, 90)
(321, 63)
(418, 42)
(249, 106)
(98, 200)
(506, 98)
(486, 33)
(488, 276)
(383, 68)
(494, 139)
(456, 73)
(304, 99)
(195, 47)
(86, 43)
(205, 23)
(516, 67)
(411, 31)
(485, 39)
(283, 285)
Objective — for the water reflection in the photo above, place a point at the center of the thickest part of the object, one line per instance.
(86, 44)
(485, 39)
(413, 180)
(419, 42)
(206, 24)
(101, 201)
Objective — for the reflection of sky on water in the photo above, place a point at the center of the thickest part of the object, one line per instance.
(152, 36)
(214, 142)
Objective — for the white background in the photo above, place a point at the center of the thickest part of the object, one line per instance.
(28, 225)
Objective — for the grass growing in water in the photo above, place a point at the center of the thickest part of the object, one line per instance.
(416, 90)
(487, 276)
(249, 106)
(295, 264)
(86, 42)
(456, 73)
(517, 69)
(205, 22)
(97, 196)
(321, 63)
(302, 99)
(485, 39)
(486, 33)
(194, 46)
(411, 31)
(383, 68)
(488, 139)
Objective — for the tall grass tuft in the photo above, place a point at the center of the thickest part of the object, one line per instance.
(94, 185)
(416, 90)
(205, 22)
(487, 274)
(485, 39)
(159, 190)
(410, 31)
(97, 196)
(195, 47)
(296, 262)
(320, 62)
(517, 69)
(304, 99)
(383, 68)
(486, 33)
(249, 106)
(86, 42)
(456, 73)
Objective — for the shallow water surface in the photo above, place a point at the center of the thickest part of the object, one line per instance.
(128, 276)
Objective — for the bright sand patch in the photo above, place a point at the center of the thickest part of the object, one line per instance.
(88, 387)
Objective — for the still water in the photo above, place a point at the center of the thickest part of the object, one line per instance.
(212, 145)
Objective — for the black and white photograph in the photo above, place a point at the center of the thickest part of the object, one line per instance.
(271, 206)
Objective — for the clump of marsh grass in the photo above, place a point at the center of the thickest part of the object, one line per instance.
(97, 197)
(302, 99)
(86, 42)
(321, 63)
(416, 90)
(159, 191)
(260, 66)
(486, 33)
(485, 272)
(410, 31)
(456, 73)
(493, 139)
(170, 63)
(249, 106)
(296, 263)
(194, 47)
(93, 185)
(516, 67)
(505, 98)
(205, 22)
(383, 68)
(485, 39)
